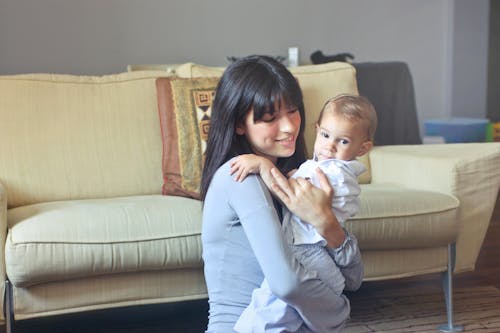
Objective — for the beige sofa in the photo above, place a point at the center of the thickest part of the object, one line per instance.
(86, 227)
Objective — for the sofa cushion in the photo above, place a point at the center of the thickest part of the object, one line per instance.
(79, 137)
(66, 240)
(70, 239)
(318, 84)
(184, 106)
(396, 217)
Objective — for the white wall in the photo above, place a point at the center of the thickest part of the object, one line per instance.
(470, 58)
(437, 38)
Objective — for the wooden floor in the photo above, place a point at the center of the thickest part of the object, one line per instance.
(191, 317)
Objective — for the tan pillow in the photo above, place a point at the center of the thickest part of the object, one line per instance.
(190, 70)
(366, 177)
(318, 83)
(184, 107)
(68, 137)
(169, 69)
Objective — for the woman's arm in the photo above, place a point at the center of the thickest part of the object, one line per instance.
(313, 205)
(320, 307)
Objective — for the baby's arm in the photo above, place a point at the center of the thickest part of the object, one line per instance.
(291, 173)
(243, 165)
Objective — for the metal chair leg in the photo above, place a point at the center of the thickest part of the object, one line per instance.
(9, 307)
(447, 280)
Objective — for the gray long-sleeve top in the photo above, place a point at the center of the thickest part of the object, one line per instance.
(243, 242)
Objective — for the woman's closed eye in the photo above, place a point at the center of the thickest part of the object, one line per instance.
(268, 118)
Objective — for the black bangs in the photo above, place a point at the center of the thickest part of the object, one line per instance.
(271, 94)
(265, 104)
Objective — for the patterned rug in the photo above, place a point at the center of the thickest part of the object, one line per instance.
(476, 308)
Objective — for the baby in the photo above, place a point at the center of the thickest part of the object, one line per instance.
(344, 131)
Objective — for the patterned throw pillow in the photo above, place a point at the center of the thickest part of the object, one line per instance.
(184, 107)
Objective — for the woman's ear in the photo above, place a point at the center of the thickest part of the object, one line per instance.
(365, 147)
(240, 129)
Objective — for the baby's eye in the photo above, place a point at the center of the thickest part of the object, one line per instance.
(324, 134)
(344, 141)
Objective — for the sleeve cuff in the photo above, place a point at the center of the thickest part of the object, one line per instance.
(346, 253)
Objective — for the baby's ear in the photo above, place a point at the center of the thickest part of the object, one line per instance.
(365, 147)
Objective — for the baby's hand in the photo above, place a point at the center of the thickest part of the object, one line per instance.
(243, 165)
(291, 172)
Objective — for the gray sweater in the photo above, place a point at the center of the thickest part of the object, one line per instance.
(243, 241)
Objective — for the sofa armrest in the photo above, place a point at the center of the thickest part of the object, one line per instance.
(3, 235)
(3, 230)
(469, 171)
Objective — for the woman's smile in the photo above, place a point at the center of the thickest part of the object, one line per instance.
(287, 142)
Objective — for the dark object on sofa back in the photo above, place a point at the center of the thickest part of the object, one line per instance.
(389, 86)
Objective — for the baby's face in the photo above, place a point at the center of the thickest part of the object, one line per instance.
(340, 138)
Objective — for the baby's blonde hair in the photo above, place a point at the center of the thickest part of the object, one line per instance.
(353, 107)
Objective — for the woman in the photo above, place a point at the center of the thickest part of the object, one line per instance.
(258, 109)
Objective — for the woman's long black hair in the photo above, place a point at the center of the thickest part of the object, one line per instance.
(258, 82)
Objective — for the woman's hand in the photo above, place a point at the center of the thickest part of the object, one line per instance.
(310, 204)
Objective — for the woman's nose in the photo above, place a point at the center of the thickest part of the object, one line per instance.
(286, 124)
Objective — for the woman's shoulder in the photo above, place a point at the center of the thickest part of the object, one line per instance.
(223, 178)
(224, 188)
(224, 171)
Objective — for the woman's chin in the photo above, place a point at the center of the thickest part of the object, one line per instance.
(287, 153)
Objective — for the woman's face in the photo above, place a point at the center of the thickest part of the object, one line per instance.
(274, 135)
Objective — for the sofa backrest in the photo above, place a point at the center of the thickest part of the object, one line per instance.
(65, 137)
(76, 137)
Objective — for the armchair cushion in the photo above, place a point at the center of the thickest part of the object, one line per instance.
(397, 217)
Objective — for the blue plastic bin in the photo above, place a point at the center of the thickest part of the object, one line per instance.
(455, 130)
